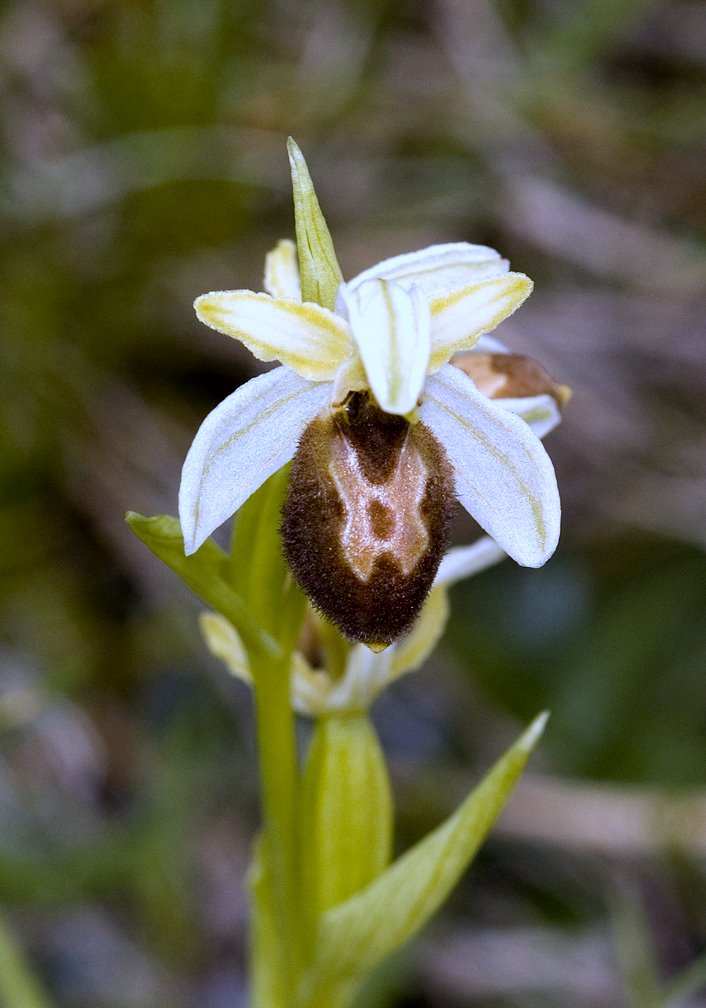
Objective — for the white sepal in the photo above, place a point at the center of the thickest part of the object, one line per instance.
(411, 651)
(437, 268)
(282, 271)
(460, 316)
(464, 561)
(504, 477)
(245, 439)
(366, 675)
(390, 326)
(307, 338)
(541, 412)
(310, 688)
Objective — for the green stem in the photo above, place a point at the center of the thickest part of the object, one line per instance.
(279, 775)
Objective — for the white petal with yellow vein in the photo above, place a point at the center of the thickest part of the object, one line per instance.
(243, 441)
(459, 317)
(390, 326)
(307, 338)
(504, 477)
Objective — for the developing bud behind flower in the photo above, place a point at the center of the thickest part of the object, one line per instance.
(510, 375)
(366, 520)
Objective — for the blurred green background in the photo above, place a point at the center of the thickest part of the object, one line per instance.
(144, 163)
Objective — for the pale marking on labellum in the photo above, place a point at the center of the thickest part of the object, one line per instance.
(402, 532)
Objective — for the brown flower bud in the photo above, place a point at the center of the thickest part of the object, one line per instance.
(510, 376)
(367, 517)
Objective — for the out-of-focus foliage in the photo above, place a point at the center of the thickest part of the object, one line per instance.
(144, 163)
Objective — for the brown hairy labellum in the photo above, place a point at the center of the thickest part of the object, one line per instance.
(509, 376)
(366, 520)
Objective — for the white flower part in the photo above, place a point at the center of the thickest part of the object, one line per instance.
(365, 676)
(504, 477)
(540, 412)
(437, 268)
(310, 688)
(242, 442)
(282, 271)
(461, 316)
(464, 561)
(391, 328)
(307, 338)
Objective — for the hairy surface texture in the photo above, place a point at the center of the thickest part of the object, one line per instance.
(367, 518)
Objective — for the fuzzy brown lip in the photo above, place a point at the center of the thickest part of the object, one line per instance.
(366, 519)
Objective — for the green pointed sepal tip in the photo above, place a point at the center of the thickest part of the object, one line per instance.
(354, 936)
(318, 266)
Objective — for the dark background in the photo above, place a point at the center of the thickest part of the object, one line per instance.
(144, 163)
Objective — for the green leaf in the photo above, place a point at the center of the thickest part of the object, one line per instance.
(353, 937)
(202, 572)
(318, 267)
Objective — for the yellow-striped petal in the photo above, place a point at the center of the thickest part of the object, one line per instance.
(307, 338)
(459, 317)
(391, 328)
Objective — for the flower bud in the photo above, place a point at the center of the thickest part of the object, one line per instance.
(346, 812)
(367, 517)
(510, 376)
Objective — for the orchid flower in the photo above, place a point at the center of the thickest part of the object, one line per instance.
(390, 336)
(395, 330)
